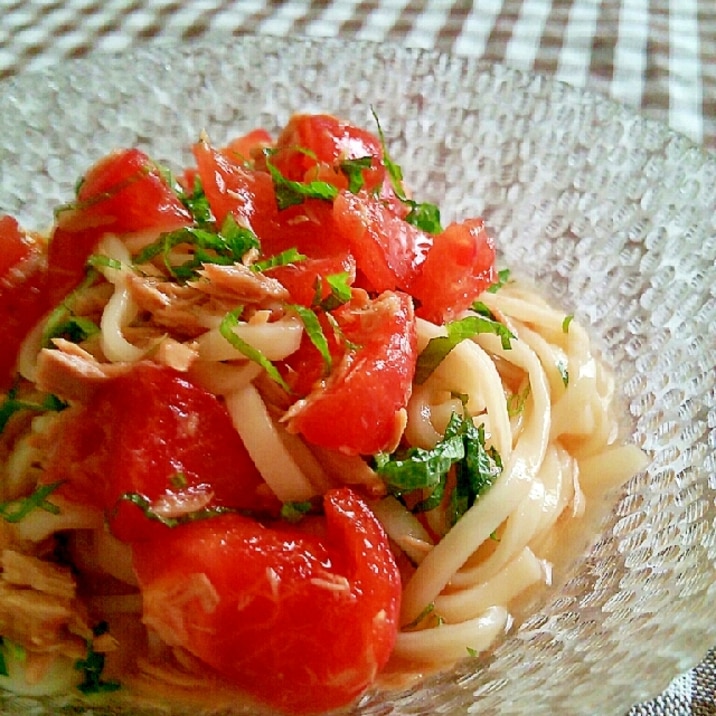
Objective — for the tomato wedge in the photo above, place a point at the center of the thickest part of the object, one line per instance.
(301, 621)
(122, 193)
(317, 147)
(458, 267)
(232, 188)
(358, 408)
(153, 434)
(388, 250)
(23, 299)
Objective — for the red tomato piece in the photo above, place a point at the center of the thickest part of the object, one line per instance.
(358, 409)
(313, 146)
(388, 250)
(154, 433)
(246, 148)
(303, 278)
(232, 188)
(301, 621)
(122, 193)
(458, 267)
(23, 295)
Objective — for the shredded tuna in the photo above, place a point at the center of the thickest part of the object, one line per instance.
(240, 284)
(172, 306)
(72, 373)
(25, 571)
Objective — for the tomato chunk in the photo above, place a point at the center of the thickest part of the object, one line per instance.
(314, 147)
(388, 250)
(123, 193)
(232, 188)
(358, 409)
(23, 299)
(153, 433)
(458, 267)
(301, 621)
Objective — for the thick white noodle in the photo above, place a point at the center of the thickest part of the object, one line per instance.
(488, 513)
(275, 340)
(520, 573)
(450, 642)
(120, 310)
(269, 453)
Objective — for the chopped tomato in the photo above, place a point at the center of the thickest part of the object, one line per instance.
(388, 250)
(246, 148)
(458, 267)
(302, 621)
(154, 434)
(23, 299)
(232, 188)
(314, 147)
(306, 279)
(123, 193)
(358, 409)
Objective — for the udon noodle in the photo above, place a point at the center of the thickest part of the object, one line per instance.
(543, 400)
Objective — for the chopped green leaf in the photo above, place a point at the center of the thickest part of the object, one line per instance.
(227, 246)
(423, 215)
(340, 291)
(476, 472)
(150, 513)
(420, 468)
(75, 329)
(290, 193)
(12, 405)
(178, 480)
(100, 261)
(315, 333)
(226, 328)
(439, 347)
(471, 651)
(289, 256)
(16, 510)
(516, 402)
(563, 372)
(462, 447)
(92, 667)
(295, 511)
(198, 204)
(56, 325)
(566, 322)
(503, 276)
(353, 169)
(423, 615)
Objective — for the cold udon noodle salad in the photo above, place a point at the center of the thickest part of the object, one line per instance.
(270, 429)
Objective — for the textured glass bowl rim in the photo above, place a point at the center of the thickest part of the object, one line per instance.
(405, 59)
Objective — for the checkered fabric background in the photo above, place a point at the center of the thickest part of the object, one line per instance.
(658, 56)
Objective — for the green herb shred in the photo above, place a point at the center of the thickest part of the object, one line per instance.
(462, 329)
(424, 216)
(503, 277)
(462, 447)
(315, 333)
(16, 510)
(340, 291)
(225, 247)
(12, 404)
(291, 193)
(353, 170)
(92, 667)
(226, 328)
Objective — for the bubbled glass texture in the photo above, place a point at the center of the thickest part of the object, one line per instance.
(611, 214)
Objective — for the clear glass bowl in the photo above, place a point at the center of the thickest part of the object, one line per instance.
(611, 214)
